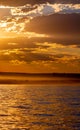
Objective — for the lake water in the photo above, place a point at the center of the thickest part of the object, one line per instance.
(40, 107)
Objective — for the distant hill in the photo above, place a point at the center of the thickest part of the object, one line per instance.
(38, 78)
(69, 75)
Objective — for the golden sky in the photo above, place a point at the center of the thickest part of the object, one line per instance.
(43, 37)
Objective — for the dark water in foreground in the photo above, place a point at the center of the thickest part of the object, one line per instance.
(39, 107)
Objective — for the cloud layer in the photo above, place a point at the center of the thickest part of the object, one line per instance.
(52, 56)
(22, 20)
(45, 9)
(32, 2)
(45, 36)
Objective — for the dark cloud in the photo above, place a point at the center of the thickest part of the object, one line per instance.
(29, 52)
(67, 24)
(15, 43)
(23, 55)
(11, 43)
(23, 2)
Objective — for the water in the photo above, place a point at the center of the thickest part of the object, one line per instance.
(39, 107)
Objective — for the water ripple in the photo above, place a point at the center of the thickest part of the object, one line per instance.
(47, 107)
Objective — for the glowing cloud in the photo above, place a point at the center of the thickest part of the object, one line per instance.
(15, 19)
(46, 9)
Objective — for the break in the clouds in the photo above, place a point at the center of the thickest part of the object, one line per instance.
(32, 2)
(39, 9)
(17, 19)
(45, 9)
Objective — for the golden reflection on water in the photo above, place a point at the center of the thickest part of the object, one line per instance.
(46, 107)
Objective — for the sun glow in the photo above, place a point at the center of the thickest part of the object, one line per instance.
(5, 7)
(14, 29)
(2, 25)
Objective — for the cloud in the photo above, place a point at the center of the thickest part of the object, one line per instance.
(47, 55)
(38, 42)
(64, 26)
(54, 45)
(45, 9)
(12, 43)
(33, 2)
(17, 62)
(53, 52)
(47, 35)
(49, 18)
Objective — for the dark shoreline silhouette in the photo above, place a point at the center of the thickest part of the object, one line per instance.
(69, 75)
(38, 78)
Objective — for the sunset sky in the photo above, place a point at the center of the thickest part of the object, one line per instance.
(40, 36)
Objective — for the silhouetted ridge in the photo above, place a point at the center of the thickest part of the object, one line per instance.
(69, 75)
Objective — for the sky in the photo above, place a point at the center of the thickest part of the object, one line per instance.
(38, 36)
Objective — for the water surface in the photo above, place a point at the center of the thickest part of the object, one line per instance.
(40, 107)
